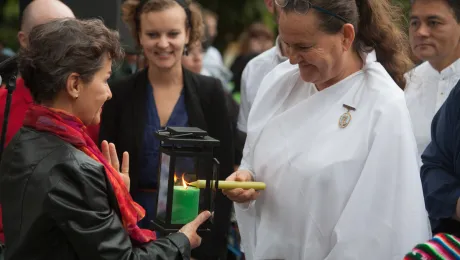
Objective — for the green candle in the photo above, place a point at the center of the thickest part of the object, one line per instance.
(185, 204)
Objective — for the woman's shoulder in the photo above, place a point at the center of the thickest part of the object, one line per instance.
(43, 153)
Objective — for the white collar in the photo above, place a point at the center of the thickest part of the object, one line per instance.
(451, 70)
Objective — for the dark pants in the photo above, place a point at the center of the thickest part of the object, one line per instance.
(448, 226)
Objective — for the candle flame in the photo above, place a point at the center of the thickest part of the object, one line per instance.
(184, 183)
(175, 178)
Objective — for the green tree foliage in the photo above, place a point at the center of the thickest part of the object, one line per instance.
(235, 15)
(10, 24)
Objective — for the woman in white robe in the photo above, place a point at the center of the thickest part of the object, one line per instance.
(332, 139)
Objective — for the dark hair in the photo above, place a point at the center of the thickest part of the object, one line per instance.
(64, 46)
(453, 4)
(378, 26)
(133, 9)
(254, 31)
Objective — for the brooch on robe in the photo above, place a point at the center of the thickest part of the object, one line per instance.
(345, 119)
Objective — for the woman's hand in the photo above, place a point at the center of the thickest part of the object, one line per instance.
(189, 230)
(240, 195)
(110, 153)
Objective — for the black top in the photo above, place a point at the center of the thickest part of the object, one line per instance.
(58, 204)
(123, 122)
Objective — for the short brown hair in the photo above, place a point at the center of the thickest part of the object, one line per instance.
(255, 30)
(132, 10)
(64, 46)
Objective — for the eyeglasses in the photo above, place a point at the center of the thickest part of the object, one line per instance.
(302, 7)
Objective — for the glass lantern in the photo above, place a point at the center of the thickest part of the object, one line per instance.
(186, 155)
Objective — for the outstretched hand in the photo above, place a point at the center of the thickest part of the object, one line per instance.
(110, 153)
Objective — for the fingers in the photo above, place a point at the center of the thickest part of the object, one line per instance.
(114, 157)
(105, 150)
(243, 176)
(240, 175)
(198, 241)
(241, 196)
(125, 163)
(200, 219)
(232, 177)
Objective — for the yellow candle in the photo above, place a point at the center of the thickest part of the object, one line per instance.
(227, 185)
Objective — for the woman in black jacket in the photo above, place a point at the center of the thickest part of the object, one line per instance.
(62, 197)
(166, 94)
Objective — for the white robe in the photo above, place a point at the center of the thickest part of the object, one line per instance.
(332, 193)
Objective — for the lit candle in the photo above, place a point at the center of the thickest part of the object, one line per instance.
(185, 204)
(226, 185)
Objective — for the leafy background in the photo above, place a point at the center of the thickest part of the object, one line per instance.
(234, 16)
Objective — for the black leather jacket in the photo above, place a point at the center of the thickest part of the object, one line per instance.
(58, 204)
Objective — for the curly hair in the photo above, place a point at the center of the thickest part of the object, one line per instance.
(133, 9)
(378, 25)
(62, 47)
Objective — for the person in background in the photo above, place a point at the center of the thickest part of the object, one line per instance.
(435, 39)
(194, 60)
(332, 140)
(440, 171)
(38, 12)
(255, 71)
(76, 197)
(166, 94)
(436, 27)
(213, 64)
(210, 21)
(255, 40)
(128, 67)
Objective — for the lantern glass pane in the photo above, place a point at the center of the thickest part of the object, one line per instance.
(163, 186)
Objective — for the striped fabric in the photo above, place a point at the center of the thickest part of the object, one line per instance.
(441, 247)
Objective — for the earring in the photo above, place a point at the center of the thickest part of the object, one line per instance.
(186, 50)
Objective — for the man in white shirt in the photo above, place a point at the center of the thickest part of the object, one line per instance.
(435, 39)
(256, 70)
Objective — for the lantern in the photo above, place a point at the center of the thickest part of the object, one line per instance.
(186, 155)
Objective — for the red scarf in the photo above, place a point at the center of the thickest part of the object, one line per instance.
(70, 129)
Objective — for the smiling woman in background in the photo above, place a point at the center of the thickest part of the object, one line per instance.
(166, 94)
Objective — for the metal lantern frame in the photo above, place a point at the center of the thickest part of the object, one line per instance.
(190, 142)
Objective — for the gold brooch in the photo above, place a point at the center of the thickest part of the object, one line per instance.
(345, 119)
